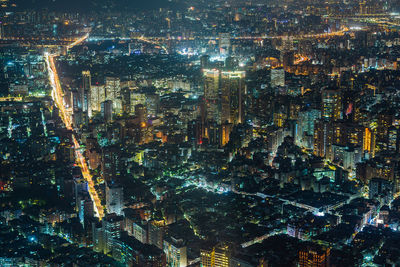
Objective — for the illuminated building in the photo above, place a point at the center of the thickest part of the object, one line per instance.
(175, 251)
(140, 232)
(277, 77)
(393, 139)
(97, 96)
(106, 232)
(314, 256)
(224, 99)
(85, 91)
(137, 98)
(232, 96)
(130, 252)
(211, 94)
(218, 256)
(306, 120)
(114, 198)
(322, 138)
(347, 133)
(369, 141)
(112, 86)
(331, 104)
(224, 43)
(107, 110)
(141, 113)
(385, 120)
(380, 188)
(85, 207)
(152, 104)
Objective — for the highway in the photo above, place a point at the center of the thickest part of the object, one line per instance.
(65, 115)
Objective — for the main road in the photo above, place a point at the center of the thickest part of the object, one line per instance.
(65, 115)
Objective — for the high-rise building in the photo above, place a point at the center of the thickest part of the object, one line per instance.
(224, 96)
(107, 110)
(111, 229)
(314, 256)
(85, 91)
(112, 86)
(211, 94)
(137, 98)
(322, 138)
(331, 101)
(224, 43)
(277, 77)
(97, 96)
(381, 188)
(114, 198)
(85, 207)
(176, 252)
(306, 122)
(233, 94)
(218, 256)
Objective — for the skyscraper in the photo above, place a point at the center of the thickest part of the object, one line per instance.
(97, 96)
(211, 94)
(113, 90)
(277, 77)
(232, 96)
(331, 104)
(85, 95)
(114, 198)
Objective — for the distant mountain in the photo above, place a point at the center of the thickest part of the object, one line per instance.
(95, 5)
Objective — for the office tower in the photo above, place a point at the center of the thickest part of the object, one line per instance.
(85, 90)
(218, 256)
(114, 198)
(97, 96)
(331, 101)
(176, 252)
(224, 43)
(107, 110)
(211, 94)
(113, 90)
(322, 138)
(314, 256)
(306, 122)
(232, 96)
(277, 77)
